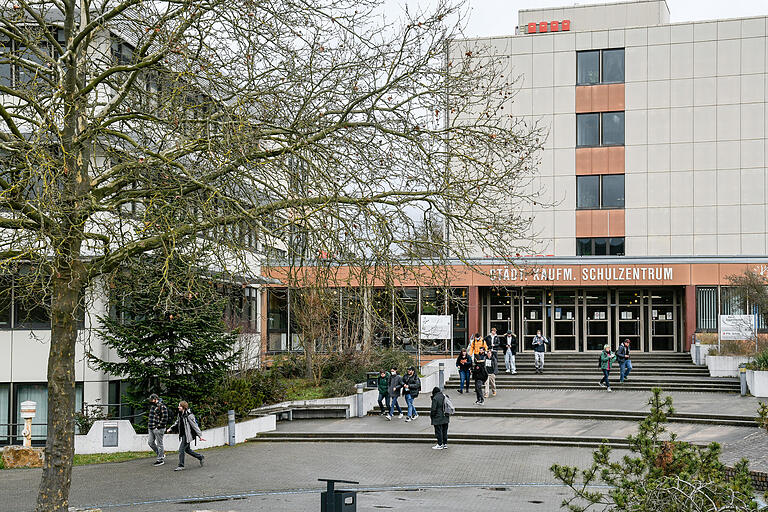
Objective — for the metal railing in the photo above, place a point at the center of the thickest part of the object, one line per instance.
(10, 433)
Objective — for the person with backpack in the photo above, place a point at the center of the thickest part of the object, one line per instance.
(475, 344)
(606, 359)
(157, 419)
(464, 364)
(492, 367)
(509, 344)
(439, 413)
(480, 375)
(189, 430)
(539, 348)
(383, 384)
(625, 365)
(393, 389)
(411, 388)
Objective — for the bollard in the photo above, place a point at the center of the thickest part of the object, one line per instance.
(441, 378)
(28, 412)
(359, 394)
(743, 380)
(231, 418)
(697, 353)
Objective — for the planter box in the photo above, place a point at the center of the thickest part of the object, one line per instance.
(757, 382)
(703, 351)
(725, 366)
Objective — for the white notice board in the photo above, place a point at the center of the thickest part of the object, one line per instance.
(436, 327)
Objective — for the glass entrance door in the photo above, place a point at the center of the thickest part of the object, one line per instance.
(534, 310)
(503, 311)
(663, 306)
(564, 317)
(597, 319)
(629, 319)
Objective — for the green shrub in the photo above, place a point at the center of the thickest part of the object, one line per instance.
(740, 347)
(384, 359)
(338, 387)
(760, 362)
(289, 366)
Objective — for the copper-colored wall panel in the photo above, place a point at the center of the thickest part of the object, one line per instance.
(599, 98)
(604, 160)
(598, 223)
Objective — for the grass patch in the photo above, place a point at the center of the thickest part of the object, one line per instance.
(303, 389)
(2, 466)
(102, 458)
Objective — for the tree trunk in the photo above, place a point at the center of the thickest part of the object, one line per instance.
(59, 446)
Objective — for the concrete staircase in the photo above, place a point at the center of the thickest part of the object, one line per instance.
(670, 371)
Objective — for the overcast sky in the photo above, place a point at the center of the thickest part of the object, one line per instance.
(499, 17)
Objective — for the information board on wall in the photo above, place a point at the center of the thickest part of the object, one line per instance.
(436, 327)
(737, 327)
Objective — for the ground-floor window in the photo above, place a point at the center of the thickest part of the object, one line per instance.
(37, 393)
(5, 409)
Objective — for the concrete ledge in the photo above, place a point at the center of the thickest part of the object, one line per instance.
(130, 441)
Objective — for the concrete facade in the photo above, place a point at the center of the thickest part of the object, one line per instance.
(694, 152)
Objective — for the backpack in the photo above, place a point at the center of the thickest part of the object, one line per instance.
(448, 407)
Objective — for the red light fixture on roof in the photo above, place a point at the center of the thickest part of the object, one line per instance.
(549, 26)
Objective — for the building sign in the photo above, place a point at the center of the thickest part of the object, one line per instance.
(549, 26)
(583, 274)
(737, 327)
(436, 327)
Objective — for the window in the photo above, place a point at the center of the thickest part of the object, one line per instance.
(588, 67)
(605, 129)
(30, 312)
(5, 407)
(600, 192)
(613, 66)
(612, 191)
(600, 246)
(37, 393)
(613, 128)
(587, 129)
(5, 63)
(588, 192)
(706, 308)
(600, 66)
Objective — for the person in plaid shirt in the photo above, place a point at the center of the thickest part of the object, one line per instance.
(156, 422)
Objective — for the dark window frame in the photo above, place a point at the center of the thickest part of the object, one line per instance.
(600, 129)
(600, 64)
(608, 244)
(600, 190)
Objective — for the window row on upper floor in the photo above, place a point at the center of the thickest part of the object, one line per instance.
(595, 192)
(600, 67)
(600, 129)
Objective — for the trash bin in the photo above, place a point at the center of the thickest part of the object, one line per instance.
(332, 500)
(371, 380)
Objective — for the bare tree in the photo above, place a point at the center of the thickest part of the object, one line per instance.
(216, 129)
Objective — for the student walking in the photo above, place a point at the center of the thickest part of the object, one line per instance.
(188, 431)
(411, 388)
(539, 347)
(480, 375)
(606, 360)
(475, 344)
(492, 340)
(625, 364)
(383, 383)
(464, 364)
(157, 419)
(509, 344)
(492, 367)
(439, 419)
(393, 390)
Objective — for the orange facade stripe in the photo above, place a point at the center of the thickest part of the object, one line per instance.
(603, 160)
(599, 223)
(599, 98)
(651, 274)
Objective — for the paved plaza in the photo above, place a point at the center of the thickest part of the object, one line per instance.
(282, 476)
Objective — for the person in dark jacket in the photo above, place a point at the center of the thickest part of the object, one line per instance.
(439, 419)
(492, 340)
(625, 365)
(186, 423)
(157, 419)
(492, 367)
(411, 388)
(464, 364)
(539, 347)
(509, 344)
(393, 390)
(383, 383)
(480, 375)
(607, 360)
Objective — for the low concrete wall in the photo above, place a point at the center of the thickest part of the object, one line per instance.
(725, 366)
(130, 441)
